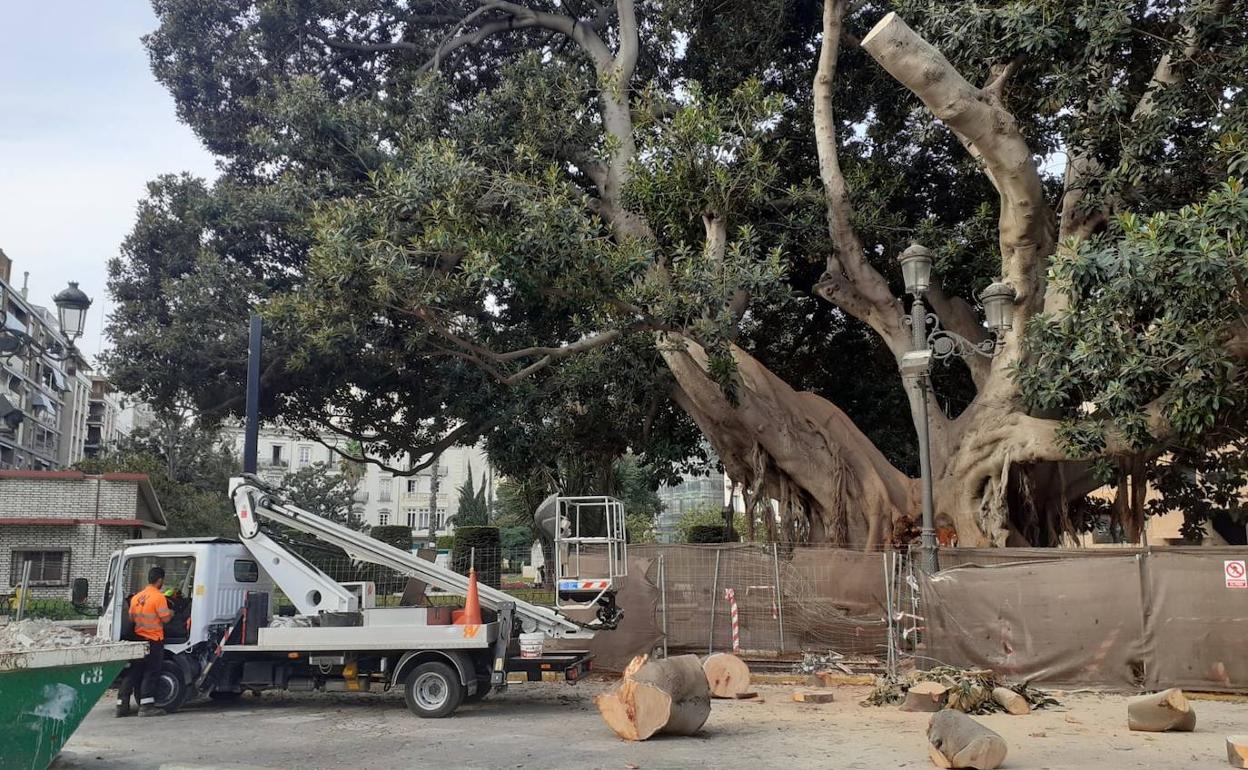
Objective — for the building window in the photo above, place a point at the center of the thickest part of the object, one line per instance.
(412, 518)
(424, 519)
(47, 568)
(305, 456)
(383, 518)
(437, 522)
(277, 455)
(411, 486)
(383, 493)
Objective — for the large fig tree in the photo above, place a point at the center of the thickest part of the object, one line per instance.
(465, 217)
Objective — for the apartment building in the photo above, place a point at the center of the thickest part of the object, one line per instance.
(66, 412)
(426, 501)
(36, 387)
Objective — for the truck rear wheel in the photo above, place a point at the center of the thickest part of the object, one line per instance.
(433, 690)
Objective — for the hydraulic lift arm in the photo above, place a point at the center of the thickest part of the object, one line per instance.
(253, 498)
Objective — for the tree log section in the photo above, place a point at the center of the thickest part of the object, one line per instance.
(1237, 750)
(668, 696)
(956, 740)
(1161, 712)
(727, 675)
(1011, 701)
(925, 696)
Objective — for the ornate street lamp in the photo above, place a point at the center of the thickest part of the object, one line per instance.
(71, 310)
(916, 269)
(998, 301)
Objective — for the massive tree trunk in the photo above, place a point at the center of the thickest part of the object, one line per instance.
(832, 484)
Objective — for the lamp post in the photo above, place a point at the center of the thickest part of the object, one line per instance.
(998, 301)
(71, 311)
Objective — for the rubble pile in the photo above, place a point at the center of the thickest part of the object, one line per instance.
(27, 635)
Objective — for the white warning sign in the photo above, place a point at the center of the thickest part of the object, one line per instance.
(1236, 573)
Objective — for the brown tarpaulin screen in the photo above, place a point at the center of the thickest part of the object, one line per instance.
(1072, 622)
(637, 633)
(1197, 624)
(789, 599)
(1147, 619)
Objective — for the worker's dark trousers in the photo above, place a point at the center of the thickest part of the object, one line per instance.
(141, 680)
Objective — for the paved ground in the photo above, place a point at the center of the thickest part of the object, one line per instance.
(556, 726)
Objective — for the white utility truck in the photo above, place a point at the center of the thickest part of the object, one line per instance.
(225, 640)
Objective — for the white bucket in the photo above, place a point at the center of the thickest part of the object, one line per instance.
(531, 645)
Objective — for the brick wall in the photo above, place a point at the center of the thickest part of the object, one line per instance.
(89, 547)
(79, 501)
(66, 494)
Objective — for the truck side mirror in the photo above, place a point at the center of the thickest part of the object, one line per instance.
(79, 591)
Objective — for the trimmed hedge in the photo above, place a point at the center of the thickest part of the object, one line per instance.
(711, 533)
(489, 553)
(393, 534)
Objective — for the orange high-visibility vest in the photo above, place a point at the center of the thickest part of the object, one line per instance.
(149, 611)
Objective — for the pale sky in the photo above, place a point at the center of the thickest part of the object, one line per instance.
(83, 126)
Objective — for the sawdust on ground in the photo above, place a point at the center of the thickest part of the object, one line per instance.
(548, 726)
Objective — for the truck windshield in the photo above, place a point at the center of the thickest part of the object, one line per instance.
(179, 573)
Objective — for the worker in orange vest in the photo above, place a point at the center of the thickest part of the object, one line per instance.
(149, 611)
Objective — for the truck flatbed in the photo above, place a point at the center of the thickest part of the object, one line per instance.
(378, 638)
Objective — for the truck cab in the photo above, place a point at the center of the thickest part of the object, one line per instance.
(206, 580)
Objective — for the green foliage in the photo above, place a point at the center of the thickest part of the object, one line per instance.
(710, 533)
(1141, 356)
(479, 547)
(445, 542)
(705, 524)
(325, 491)
(189, 470)
(473, 509)
(393, 534)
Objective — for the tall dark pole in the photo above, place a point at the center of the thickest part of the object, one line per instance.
(251, 436)
(918, 325)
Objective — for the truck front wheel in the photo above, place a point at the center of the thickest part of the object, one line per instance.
(171, 688)
(433, 690)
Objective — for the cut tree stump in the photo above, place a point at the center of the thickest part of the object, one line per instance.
(668, 696)
(925, 696)
(1011, 701)
(1237, 750)
(956, 740)
(1161, 712)
(810, 696)
(727, 675)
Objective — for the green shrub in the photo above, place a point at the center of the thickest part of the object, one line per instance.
(489, 553)
(446, 542)
(710, 533)
(393, 534)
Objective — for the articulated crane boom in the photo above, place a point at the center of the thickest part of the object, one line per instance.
(312, 590)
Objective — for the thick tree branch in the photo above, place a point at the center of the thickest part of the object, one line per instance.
(849, 281)
(434, 450)
(485, 358)
(516, 16)
(1026, 223)
(630, 45)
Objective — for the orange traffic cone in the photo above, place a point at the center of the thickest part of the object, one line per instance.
(470, 615)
